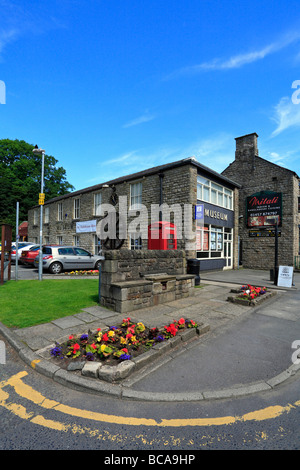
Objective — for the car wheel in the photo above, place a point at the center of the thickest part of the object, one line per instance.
(55, 268)
(98, 265)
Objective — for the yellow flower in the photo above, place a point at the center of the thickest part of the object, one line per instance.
(102, 348)
(141, 326)
(123, 340)
(99, 336)
(111, 333)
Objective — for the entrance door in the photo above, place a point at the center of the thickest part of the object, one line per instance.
(228, 248)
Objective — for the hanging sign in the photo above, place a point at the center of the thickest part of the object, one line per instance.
(264, 209)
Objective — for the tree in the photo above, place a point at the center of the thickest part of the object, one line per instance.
(20, 179)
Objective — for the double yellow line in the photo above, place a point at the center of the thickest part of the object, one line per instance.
(27, 392)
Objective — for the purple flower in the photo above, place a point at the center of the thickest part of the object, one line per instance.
(56, 352)
(125, 357)
(160, 338)
(84, 337)
(90, 356)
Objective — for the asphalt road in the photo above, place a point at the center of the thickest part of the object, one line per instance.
(39, 414)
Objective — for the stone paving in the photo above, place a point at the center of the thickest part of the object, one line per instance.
(208, 305)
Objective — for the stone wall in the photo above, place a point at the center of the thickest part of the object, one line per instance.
(131, 280)
(256, 174)
(179, 186)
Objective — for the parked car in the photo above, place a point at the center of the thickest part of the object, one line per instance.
(21, 246)
(28, 255)
(62, 258)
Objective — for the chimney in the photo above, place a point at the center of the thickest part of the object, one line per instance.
(246, 148)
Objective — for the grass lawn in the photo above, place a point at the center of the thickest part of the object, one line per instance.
(28, 303)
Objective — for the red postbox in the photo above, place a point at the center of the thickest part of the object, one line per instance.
(162, 236)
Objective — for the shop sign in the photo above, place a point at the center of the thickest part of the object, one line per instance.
(199, 211)
(285, 276)
(264, 209)
(215, 214)
(263, 233)
(87, 226)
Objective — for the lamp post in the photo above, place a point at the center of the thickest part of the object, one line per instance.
(38, 151)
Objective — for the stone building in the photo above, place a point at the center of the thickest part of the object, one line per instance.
(269, 194)
(200, 201)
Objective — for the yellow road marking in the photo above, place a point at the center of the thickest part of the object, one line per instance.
(27, 392)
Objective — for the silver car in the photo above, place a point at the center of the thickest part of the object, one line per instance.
(63, 258)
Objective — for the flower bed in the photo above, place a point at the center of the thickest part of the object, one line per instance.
(118, 343)
(250, 295)
(83, 272)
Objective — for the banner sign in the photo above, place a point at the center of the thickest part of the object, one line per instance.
(264, 209)
(86, 226)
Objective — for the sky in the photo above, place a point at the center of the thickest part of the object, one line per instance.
(113, 87)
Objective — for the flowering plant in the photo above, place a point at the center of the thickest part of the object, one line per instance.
(251, 292)
(83, 272)
(118, 343)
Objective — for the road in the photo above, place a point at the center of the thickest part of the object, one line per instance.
(38, 414)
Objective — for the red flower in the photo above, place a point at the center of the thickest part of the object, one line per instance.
(76, 347)
(71, 337)
(105, 337)
(125, 350)
(172, 329)
(181, 321)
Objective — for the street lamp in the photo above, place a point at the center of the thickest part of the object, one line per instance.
(38, 151)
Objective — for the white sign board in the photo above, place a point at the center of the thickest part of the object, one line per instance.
(87, 226)
(285, 276)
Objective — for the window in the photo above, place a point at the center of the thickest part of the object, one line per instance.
(76, 208)
(210, 241)
(136, 195)
(59, 211)
(97, 203)
(135, 241)
(76, 240)
(46, 219)
(214, 193)
(97, 246)
(35, 217)
(59, 240)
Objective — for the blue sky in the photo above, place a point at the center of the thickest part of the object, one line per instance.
(113, 87)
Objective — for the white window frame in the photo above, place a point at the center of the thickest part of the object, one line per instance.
(47, 215)
(59, 239)
(59, 211)
(136, 191)
(35, 217)
(97, 203)
(135, 241)
(76, 240)
(97, 245)
(214, 193)
(77, 208)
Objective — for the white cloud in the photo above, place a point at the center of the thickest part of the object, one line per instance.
(7, 37)
(238, 60)
(287, 114)
(139, 120)
(215, 152)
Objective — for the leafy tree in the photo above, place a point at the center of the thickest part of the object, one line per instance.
(20, 179)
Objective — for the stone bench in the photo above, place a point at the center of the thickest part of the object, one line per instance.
(151, 290)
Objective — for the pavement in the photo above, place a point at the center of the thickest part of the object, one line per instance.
(241, 349)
